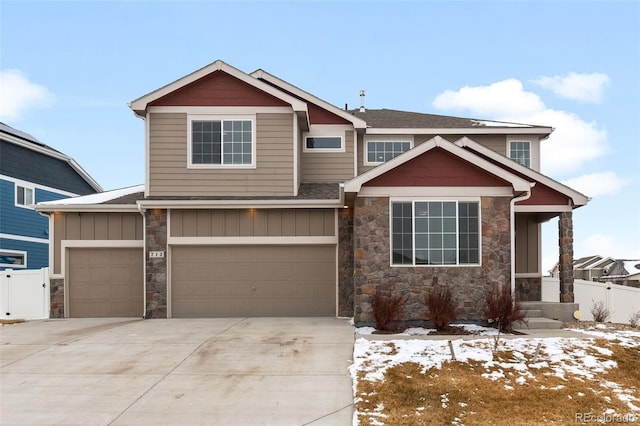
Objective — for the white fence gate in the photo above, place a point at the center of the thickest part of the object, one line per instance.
(621, 300)
(24, 294)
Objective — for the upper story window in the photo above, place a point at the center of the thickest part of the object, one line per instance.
(24, 196)
(380, 151)
(13, 259)
(323, 143)
(520, 151)
(435, 233)
(221, 142)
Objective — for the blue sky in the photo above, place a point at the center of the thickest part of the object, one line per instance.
(68, 70)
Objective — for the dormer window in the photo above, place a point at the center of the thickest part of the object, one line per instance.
(221, 142)
(520, 151)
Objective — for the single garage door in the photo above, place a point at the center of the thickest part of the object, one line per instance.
(228, 281)
(105, 282)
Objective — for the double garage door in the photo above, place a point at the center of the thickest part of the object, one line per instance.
(228, 281)
(207, 281)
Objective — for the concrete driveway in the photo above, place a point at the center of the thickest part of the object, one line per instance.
(230, 371)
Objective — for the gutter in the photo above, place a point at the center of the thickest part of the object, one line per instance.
(512, 219)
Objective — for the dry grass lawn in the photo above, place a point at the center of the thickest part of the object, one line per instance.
(599, 377)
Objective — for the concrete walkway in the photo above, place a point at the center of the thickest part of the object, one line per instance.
(233, 371)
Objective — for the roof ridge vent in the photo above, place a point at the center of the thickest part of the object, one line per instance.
(362, 108)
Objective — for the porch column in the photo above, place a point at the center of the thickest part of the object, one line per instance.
(565, 264)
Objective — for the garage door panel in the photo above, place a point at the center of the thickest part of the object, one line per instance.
(253, 281)
(105, 282)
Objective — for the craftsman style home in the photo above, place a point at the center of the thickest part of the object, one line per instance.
(262, 199)
(32, 172)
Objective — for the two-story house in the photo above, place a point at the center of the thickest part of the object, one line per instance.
(261, 199)
(32, 172)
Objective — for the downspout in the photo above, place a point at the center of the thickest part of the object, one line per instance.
(512, 219)
(142, 211)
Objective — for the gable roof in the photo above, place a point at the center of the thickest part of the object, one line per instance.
(380, 119)
(518, 184)
(25, 140)
(357, 122)
(122, 199)
(577, 198)
(139, 105)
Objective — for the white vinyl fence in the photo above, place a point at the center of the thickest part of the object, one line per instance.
(622, 301)
(24, 294)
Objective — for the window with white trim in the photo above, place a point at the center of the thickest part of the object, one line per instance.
(380, 151)
(520, 151)
(435, 233)
(24, 196)
(221, 142)
(13, 259)
(322, 143)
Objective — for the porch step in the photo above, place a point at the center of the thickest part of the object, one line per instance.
(533, 313)
(538, 323)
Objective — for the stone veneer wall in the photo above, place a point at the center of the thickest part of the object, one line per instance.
(56, 291)
(565, 263)
(529, 289)
(156, 274)
(345, 263)
(468, 284)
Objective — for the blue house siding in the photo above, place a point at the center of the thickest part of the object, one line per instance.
(19, 223)
(37, 253)
(31, 166)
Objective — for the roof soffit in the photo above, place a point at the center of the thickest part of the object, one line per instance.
(577, 198)
(518, 184)
(139, 105)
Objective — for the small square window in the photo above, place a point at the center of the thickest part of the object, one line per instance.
(520, 151)
(24, 196)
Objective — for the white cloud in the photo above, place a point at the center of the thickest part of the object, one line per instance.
(606, 245)
(573, 142)
(497, 99)
(580, 87)
(597, 184)
(19, 94)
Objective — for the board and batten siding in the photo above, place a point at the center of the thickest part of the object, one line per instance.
(169, 175)
(93, 226)
(329, 166)
(253, 223)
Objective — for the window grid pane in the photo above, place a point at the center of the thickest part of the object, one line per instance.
(221, 142)
(379, 152)
(443, 233)
(520, 152)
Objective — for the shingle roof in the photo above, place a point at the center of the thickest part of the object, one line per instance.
(307, 191)
(5, 128)
(390, 119)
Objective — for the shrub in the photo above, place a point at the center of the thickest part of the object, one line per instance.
(502, 310)
(634, 319)
(386, 310)
(442, 307)
(600, 312)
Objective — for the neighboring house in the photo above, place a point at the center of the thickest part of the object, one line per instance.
(32, 172)
(606, 270)
(261, 199)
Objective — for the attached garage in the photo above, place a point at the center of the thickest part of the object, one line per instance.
(105, 282)
(276, 280)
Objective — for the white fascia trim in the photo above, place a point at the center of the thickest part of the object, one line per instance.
(358, 123)
(460, 130)
(296, 141)
(88, 208)
(27, 184)
(217, 110)
(436, 191)
(518, 184)
(239, 204)
(578, 198)
(542, 209)
(24, 238)
(147, 152)
(141, 103)
(251, 240)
